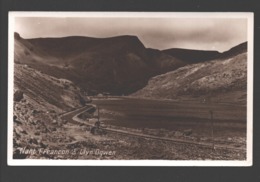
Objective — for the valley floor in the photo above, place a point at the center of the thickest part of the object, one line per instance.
(61, 137)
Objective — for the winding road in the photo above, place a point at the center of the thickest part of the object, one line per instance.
(72, 117)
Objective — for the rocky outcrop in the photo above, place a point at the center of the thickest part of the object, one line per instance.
(18, 95)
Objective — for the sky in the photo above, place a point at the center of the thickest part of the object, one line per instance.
(160, 33)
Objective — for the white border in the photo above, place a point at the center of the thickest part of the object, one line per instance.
(41, 162)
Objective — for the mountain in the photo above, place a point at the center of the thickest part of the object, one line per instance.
(241, 48)
(192, 56)
(118, 65)
(222, 79)
(196, 56)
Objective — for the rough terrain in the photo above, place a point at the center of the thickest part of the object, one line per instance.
(52, 85)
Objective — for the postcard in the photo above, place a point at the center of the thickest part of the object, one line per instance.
(130, 89)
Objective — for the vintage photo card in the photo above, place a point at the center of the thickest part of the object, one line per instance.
(130, 89)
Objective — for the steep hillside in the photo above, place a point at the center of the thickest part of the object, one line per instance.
(27, 53)
(119, 65)
(39, 99)
(45, 90)
(223, 80)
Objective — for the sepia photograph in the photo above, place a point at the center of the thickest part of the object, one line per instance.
(130, 89)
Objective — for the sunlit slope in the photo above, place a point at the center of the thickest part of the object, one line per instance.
(222, 80)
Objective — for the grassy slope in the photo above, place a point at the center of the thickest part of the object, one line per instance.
(216, 79)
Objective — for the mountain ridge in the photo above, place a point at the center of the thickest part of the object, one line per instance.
(196, 56)
(118, 65)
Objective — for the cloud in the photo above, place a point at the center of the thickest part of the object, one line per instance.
(160, 33)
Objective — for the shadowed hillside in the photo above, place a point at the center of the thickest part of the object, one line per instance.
(118, 65)
(192, 56)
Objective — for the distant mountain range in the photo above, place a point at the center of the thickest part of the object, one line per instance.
(192, 56)
(118, 65)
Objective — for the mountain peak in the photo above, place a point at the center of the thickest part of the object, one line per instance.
(127, 39)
